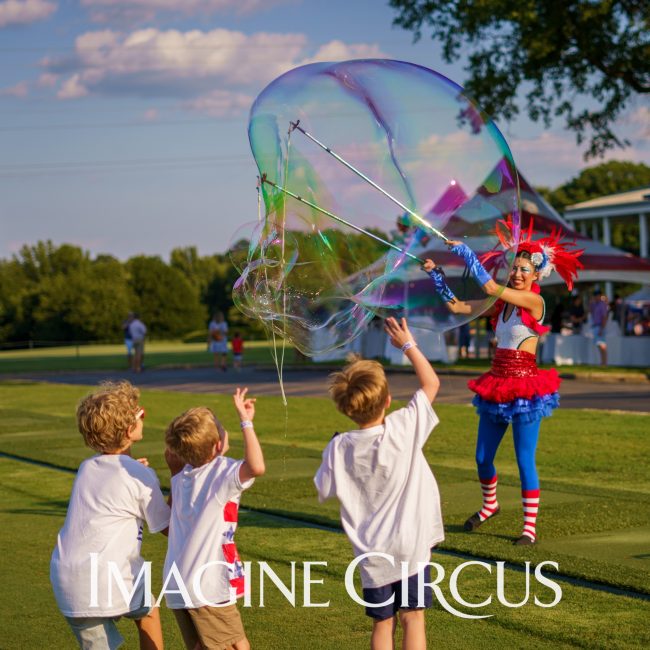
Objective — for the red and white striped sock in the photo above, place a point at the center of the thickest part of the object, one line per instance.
(530, 500)
(490, 503)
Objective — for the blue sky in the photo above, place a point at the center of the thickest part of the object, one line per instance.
(124, 122)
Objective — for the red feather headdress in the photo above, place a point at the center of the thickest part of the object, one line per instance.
(546, 254)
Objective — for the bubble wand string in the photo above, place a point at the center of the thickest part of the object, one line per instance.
(296, 126)
(340, 220)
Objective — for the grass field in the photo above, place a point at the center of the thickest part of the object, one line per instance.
(113, 357)
(594, 522)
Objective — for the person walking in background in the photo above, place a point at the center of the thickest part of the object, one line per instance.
(128, 341)
(463, 341)
(237, 345)
(577, 314)
(138, 331)
(218, 340)
(599, 312)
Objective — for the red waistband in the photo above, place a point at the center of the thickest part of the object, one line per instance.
(513, 363)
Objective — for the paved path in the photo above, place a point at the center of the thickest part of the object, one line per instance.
(576, 393)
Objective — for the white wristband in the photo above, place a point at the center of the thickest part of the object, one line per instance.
(408, 345)
(246, 423)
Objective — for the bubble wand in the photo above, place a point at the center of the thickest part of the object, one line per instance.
(296, 126)
(331, 215)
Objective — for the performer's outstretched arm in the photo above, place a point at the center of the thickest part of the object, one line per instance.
(520, 298)
(437, 276)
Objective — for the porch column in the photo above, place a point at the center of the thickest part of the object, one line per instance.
(643, 235)
(607, 232)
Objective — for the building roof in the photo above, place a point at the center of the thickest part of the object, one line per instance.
(620, 199)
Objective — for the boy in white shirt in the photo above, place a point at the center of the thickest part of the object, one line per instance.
(389, 498)
(112, 496)
(206, 488)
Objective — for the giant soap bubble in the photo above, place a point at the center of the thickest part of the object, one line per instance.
(429, 162)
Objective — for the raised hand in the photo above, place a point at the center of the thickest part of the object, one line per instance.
(245, 406)
(399, 333)
(428, 265)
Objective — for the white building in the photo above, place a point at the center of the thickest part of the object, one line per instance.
(594, 218)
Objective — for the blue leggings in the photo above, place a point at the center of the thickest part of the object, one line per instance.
(525, 435)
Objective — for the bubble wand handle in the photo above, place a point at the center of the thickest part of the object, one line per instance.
(417, 217)
(339, 219)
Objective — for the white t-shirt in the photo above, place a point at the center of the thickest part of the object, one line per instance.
(388, 495)
(137, 329)
(205, 503)
(112, 497)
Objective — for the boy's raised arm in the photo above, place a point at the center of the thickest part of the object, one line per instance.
(401, 337)
(253, 464)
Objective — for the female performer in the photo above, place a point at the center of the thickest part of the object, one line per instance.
(514, 391)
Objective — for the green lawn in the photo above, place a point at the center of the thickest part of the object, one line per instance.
(113, 357)
(594, 522)
(174, 353)
(32, 508)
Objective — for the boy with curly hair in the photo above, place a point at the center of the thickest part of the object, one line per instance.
(112, 496)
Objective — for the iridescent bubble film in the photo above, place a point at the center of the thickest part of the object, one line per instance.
(412, 132)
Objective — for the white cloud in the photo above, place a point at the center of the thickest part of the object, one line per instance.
(72, 88)
(221, 103)
(135, 10)
(21, 89)
(24, 12)
(339, 51)
(47, 80)
(216, 72)
(174, 63)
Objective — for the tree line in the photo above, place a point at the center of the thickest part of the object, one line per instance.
(61, 293)
(52, 293)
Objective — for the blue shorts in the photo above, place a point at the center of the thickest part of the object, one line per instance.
(599, 338)
(382, 594)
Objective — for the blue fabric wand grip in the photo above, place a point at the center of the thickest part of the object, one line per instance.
(476, 269)
(438, 278)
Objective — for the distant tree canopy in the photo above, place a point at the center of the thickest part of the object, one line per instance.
(59, 293)
(608, 178)
(560, 50)
(50, 293)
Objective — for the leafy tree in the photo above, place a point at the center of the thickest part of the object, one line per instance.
(608, 178)
(165, 299)
(560, 49)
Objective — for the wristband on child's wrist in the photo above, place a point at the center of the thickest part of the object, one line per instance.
(408, 345)
(246, 423)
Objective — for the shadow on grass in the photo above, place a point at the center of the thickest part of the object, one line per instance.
(44, 508)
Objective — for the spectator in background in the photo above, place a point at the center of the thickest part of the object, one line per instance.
(218, 340)
(138, 331)
(237, 345)
(128, 341)
(577, 314)
(463, 341)
(599, 311)
(617, 308)
(557, 319)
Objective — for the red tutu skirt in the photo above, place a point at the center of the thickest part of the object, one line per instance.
(514, 375)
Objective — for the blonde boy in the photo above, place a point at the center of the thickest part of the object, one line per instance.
(112, 496)
(206, 488)
(389, 498)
